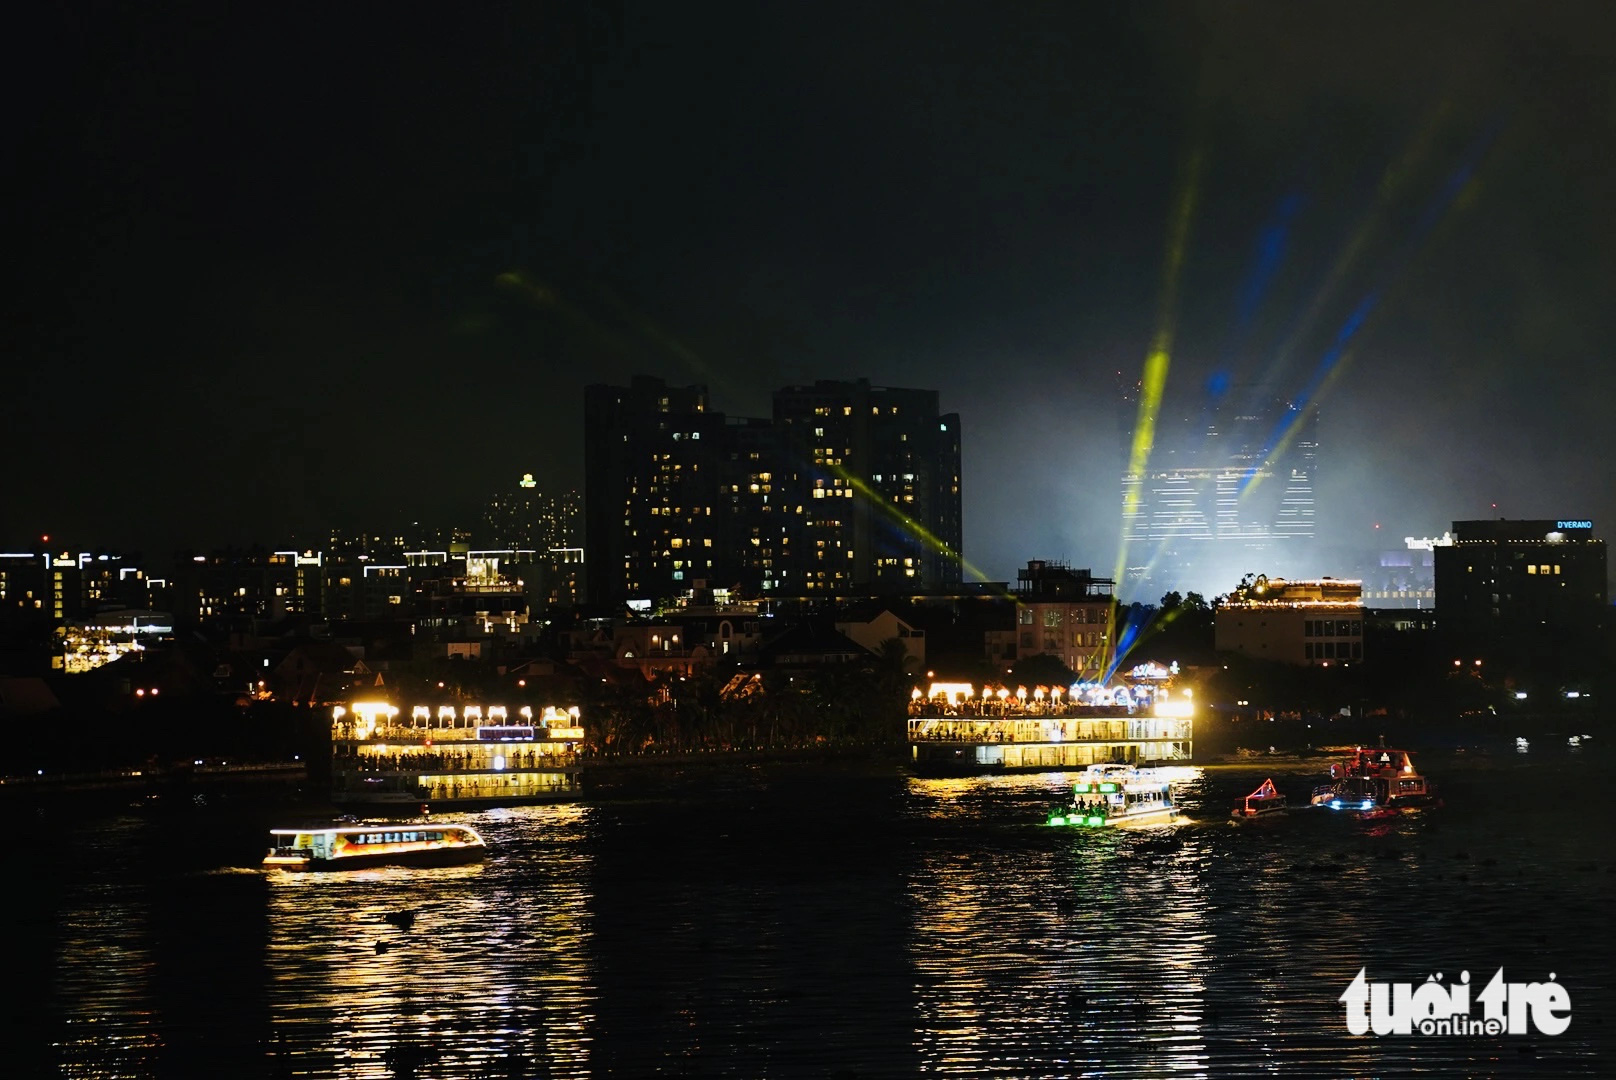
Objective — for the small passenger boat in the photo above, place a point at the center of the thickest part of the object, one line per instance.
(1266, 801)
(357, 847)
(1117, 797)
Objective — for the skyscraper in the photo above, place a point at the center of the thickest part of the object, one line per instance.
(1226, 489)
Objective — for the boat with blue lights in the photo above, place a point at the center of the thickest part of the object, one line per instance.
(956, 729)
(1118, 796)
(1375, 783)
(360, 847)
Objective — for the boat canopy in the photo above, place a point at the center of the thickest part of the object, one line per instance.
(1266, 791)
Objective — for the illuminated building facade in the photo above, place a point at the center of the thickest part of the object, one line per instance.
(876, 473)
(651, 476)
(1504, 579)
(1061, 612)
(1294, 622)
(1228, 486)
(1404, 577)
(849, 488)
(248, 586)
(524, 517)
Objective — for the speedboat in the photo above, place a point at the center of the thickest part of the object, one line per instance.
(1374, 784)
(357, 847)
(1266, 801)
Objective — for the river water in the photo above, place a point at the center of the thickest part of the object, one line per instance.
(796, 921)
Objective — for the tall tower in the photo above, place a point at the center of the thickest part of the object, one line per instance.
(1228, 489)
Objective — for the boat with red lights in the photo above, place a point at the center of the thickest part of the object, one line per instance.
(1375, 783)
(359, 847)
(1265, 802)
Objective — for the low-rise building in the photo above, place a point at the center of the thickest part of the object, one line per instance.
(1293, 622)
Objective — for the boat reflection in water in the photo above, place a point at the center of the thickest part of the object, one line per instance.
(491, 974)
(1100, 946)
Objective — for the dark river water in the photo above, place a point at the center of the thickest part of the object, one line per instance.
(797, 921)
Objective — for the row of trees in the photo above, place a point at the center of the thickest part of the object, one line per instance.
(722, 707)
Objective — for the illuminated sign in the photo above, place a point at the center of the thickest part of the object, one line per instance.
(1573, 524)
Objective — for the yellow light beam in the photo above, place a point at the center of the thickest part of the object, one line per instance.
(1158, 359)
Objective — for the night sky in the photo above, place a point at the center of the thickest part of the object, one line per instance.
(279, 268)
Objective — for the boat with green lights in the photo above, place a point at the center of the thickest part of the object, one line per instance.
(1118, 798)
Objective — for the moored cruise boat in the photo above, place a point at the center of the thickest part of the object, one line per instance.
(1265, 802)
(1118, 797)
(957, 730)
(357, 847)
(1375, 783)
(449, 757)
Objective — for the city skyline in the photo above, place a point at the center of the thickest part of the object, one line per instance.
(276, 288)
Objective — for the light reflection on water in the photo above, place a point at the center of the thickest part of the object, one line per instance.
(809, 923)
(495, 970)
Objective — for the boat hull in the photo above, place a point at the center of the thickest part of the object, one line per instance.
(434, 857)
(1119, 821)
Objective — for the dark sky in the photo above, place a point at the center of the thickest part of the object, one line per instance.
(282, 267)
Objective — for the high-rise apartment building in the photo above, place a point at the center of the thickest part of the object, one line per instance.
(652, 522)
(1226, 489)
(876, 471)
(849, 488)
(523, 517)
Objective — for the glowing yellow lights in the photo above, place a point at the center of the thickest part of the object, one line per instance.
(1157, 361)
(951, 691)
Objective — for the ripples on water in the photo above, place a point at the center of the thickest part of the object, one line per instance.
(794, 922)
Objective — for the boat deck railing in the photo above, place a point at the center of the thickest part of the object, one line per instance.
(1048, 729)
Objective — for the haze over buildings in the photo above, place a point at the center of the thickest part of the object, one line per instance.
(282, 282)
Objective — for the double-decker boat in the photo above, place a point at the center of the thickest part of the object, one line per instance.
(1113, 796)
(1375, 783)
(1265, 802)
(356, 847)
(385, 755)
